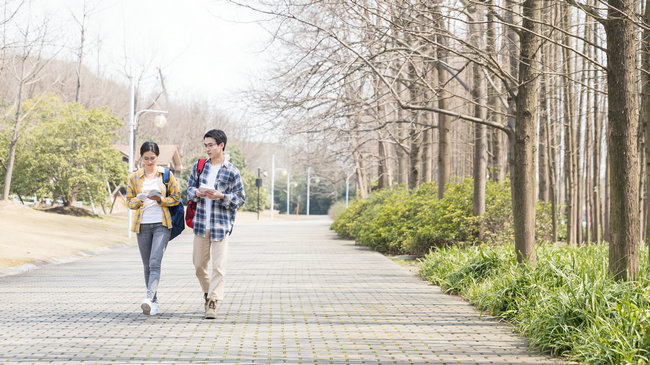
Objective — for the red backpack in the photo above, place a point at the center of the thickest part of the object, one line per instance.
(191, 205)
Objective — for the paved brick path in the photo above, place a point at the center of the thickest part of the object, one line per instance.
(296, 294)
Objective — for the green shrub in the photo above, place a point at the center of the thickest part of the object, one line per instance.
(353, 219)
(413, 222)
(498, 219)
(441, 222)
(385, 223)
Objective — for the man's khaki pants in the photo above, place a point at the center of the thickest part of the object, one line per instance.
(203, 247)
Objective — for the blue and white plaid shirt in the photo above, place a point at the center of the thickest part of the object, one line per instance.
(222, 218)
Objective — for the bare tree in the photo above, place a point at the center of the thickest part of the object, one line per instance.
(525, 133)
(622, 139)
(28, 63)
(480, 130)
(82, 23)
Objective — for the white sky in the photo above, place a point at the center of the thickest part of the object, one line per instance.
(207, 49)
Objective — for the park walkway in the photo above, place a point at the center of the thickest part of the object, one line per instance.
(295, 294)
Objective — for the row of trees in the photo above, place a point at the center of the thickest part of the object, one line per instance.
(409, 91)
(36, 59)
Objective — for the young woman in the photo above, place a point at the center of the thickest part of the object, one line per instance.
(148, 196)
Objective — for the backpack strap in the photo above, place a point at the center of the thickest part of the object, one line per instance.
(201, 164)
(166, 180)
(199, 170)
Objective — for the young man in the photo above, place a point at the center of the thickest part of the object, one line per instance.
(219, 192)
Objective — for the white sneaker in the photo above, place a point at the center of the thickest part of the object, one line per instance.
(146, 306)
(154, 309)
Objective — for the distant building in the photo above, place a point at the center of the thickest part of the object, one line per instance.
(169, 157)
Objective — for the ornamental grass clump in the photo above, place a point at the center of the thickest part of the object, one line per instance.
(567, 305)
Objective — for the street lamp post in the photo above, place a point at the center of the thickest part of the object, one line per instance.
(347, 186)
(133, 119)
(288, 192)
(258, 183)
(272, 182)
(316, 180)
(308, 178)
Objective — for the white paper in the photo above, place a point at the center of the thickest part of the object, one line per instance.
(149, 194)
(154, 192)
(206, 188)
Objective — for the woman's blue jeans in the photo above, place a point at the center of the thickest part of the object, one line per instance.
(152, 241)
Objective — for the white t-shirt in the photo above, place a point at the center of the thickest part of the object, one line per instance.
(212, 181)
(151, 212)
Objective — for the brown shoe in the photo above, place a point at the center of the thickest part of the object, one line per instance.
(211, 309)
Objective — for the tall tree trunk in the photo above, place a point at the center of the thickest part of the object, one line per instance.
(596, 221)
(622, 139)
(552, 179)
(414, 155)
(587, 181)
(608, 200)
(480, 130)
(383, 168)
(444, 124)
(596, 155)
(382, 174)
(525, 134)
(570, 144)
(543, 170)
(80, 55)
(427, 150)
(414, 135)
(645, 109)
(361, 180)
(495, 137)
(14, 138)
(511, 9)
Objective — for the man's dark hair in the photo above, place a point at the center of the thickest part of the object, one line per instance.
(218, 135)
(149, 146)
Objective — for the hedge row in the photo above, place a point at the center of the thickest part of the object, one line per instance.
(403, 221)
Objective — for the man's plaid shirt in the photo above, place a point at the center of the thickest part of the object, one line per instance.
(222, 218)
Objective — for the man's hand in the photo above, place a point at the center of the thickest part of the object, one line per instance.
(200, 194)
(156, 198)
(214, 195)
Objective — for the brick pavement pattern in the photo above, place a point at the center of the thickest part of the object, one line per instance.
(295, 294)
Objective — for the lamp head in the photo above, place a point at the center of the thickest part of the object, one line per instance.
(160, 120)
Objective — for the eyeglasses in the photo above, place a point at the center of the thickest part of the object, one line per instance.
(150, 158)
(209, 145)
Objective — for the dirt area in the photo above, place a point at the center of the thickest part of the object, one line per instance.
(33, 234)
(29, 234)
